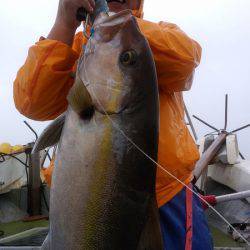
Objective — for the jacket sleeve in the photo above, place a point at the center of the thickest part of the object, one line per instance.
(42, 83)
(175, 54)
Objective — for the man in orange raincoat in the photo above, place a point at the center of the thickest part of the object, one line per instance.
(43, 82)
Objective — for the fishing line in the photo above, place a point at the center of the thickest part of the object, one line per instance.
(174, 177)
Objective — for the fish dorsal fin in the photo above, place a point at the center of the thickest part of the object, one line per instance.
(51, 135)
(79, 98)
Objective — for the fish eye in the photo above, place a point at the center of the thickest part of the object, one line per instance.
(128, 58)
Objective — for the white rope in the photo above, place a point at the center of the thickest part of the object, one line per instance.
(174, 177)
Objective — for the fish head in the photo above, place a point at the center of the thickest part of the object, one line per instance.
(117, 63)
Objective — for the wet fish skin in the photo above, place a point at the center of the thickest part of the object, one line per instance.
(103, 189)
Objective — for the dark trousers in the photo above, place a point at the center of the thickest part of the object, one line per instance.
(173, 219)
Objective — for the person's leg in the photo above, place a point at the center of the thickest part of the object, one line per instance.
(202, 238)
(173, 222)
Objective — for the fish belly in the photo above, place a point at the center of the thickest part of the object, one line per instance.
(93, 207)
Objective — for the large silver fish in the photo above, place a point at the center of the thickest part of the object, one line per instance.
(103, 188)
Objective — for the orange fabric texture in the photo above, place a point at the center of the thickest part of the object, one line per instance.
(47, 172)
(42, 84)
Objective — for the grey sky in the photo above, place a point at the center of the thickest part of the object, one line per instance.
(220, 26)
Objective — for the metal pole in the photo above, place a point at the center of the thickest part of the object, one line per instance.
(226, 111)
(242, 156)
(27, 124)
(34, 184)
(238, 129)
(208, 155)
(235, 196)
(207, 124)
(190, 122)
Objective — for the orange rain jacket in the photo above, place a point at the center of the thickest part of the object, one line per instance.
(42, 84)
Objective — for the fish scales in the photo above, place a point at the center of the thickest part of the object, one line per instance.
(103, 188)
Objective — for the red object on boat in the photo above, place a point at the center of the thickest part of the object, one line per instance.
(211, 199)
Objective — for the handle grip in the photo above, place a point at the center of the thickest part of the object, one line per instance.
(81, 14)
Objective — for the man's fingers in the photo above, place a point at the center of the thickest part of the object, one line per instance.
(87, 5)
(92, 3)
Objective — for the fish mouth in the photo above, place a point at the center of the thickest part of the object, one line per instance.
(104, 19)
(107, 26)
(109, 89)
(109, 113)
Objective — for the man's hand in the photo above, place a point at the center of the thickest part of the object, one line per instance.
(66, 22)
(67, 10)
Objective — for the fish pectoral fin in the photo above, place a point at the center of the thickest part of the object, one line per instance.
(151, 238)
(51, 135)
(79, 98)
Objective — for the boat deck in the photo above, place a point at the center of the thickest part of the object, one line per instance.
(14, 236)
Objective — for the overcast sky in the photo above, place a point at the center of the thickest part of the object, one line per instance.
(220, 26)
